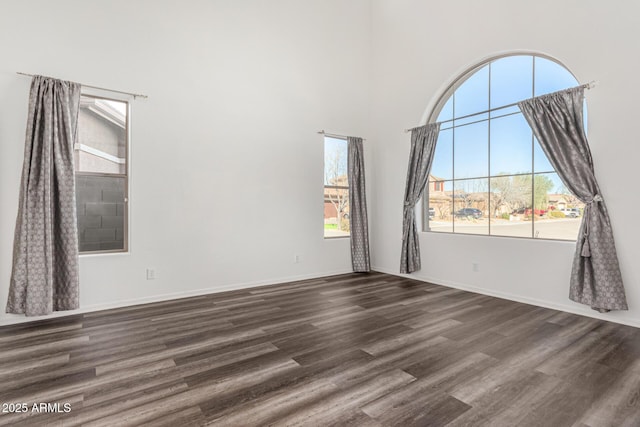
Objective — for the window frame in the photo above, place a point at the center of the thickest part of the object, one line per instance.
(336, 187)
(435, 111)
(125, 176)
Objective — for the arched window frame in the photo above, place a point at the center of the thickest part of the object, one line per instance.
(428, 211)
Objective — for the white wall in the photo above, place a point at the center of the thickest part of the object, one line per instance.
(420, 46)
(226, 142)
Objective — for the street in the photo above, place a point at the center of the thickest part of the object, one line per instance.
(563, 229)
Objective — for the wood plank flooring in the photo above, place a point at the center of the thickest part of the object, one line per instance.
(358, 349)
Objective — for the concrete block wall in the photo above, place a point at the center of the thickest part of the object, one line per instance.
(101, 220)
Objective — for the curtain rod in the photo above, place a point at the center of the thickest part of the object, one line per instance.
(335, 135)
(135, 95)
(589, 85)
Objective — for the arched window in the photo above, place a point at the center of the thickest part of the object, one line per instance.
(489, 175)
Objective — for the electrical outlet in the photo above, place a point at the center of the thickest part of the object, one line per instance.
(475, 267)
(151, 273)
(296, 259)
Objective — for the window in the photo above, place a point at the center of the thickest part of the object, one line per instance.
(100, 156)
(336, 188)
(489, 174)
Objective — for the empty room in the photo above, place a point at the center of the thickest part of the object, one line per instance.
(319, 213)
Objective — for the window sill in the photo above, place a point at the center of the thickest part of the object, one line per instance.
(547, 239)
(101, 253)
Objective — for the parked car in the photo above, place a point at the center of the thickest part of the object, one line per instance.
(571, 212)
(469, 212)
(527, 211)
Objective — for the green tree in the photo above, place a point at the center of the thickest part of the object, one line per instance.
(508, 192)
(542, 184)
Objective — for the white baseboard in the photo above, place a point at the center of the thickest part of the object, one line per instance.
(11, 319)
(512, 297)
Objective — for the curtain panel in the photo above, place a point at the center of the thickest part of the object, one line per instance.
(557, 121)
(44, 277)
(358, 222)
(423, 145)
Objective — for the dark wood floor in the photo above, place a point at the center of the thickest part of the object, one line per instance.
(365, 350)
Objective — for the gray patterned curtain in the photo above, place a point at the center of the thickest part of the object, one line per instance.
(359, 225)
(557, 122)
(423, 145)
(45, 248)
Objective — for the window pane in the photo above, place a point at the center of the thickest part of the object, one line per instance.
(100, 156)
(471, 151)
(100, 201)
(471, 119)
(511, 206)
(470, 204)
(551, 77)
(511, 80)
(440, 213)
(447, 111)
(335, 161)
(473, 95)
(510, 145)
(505, 111)
(558, 213)
(336, 212)
(102, 136)
(336, 191)
(442, 166)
